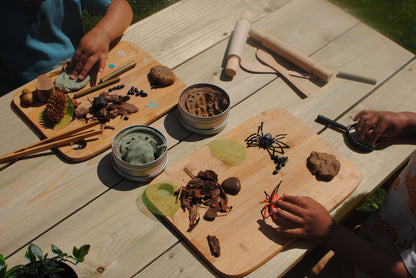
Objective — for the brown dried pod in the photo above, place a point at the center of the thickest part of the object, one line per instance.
(55, 107)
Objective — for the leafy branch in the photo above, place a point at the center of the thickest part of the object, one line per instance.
(39, 264)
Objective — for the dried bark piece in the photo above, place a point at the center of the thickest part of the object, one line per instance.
(214, 245)
(323, 165)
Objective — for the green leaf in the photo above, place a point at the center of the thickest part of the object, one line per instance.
(228, 151)
(3, 267)
(29, 256)
(36, 251)
(56, 250)
(14, 270)
(80, 253)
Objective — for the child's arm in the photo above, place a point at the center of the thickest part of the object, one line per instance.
(299, 216)
(373, 124)
(94, 46)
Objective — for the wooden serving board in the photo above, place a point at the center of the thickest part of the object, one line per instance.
(158, 102)
(246, 240)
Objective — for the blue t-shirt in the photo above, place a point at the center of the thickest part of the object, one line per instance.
(36, 37)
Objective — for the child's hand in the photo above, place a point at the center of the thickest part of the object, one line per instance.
(300, 216)
(92, 49)
(373, 124)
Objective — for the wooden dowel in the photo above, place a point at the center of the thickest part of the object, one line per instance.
(60, 136)
(58, 143)
(121, 70)
(96, 87)
(356, 77)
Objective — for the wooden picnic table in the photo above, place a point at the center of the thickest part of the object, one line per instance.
(45, 199)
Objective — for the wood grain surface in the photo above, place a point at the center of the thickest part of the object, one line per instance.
(158, 102)
(246, 240)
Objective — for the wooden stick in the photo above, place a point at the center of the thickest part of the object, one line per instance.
(121, 70)
(96, 87)
(59, 136)
(46, 146)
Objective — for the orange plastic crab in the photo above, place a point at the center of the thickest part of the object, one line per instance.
(267, 210)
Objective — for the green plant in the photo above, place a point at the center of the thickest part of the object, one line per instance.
(39, 265)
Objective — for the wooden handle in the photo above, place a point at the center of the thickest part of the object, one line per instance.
(290, 54)
(238, 41)
(97, 87)
(268, 59)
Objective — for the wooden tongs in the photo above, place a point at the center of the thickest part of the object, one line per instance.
(59, 140)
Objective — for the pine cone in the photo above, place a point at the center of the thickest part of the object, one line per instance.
(55, 107)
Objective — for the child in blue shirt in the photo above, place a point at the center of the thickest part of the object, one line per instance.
(39, 34)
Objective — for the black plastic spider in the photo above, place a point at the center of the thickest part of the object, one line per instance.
(267, 142)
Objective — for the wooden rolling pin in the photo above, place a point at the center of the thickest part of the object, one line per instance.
(290, 54)
(237, 44)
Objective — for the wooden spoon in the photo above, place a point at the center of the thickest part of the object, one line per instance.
(268, 59)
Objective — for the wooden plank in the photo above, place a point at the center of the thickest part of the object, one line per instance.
(188, 28)
(157, 102)
(60, 189)
(138, 247)
(348, 54)
(246, 241)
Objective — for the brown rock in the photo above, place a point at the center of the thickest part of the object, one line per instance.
(323, 165)
(161, 75)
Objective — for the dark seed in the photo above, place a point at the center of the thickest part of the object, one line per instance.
(109, 90)
(275, 172)
(143, 94)
(231, 186)
(125, 118)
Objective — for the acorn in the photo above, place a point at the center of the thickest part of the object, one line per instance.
(27, 96)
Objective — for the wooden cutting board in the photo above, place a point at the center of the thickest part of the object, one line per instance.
(158, 102)
(246, 240)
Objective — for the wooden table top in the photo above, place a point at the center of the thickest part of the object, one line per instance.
(47, 200)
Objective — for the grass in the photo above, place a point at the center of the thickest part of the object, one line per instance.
(393, 18)
(141, 9)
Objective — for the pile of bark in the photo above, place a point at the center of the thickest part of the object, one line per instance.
(203, 191)
(105, 107)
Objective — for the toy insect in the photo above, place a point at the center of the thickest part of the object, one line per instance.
(267, 210)
(271, 144)
(266, 141)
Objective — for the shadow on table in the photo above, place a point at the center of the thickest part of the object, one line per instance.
(175, 129)
(109, 177)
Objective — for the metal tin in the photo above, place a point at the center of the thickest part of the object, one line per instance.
(137, 171)
(203, 125)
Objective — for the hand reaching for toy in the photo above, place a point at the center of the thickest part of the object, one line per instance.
(300, 216)
(92, 49)
(372, 125)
